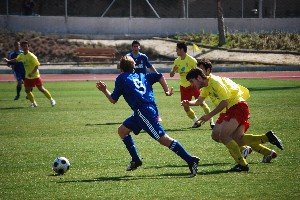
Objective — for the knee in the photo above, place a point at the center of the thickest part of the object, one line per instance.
(123, 131)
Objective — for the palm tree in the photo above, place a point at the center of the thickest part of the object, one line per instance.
(221, 27)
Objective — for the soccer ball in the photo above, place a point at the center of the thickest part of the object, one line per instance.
(61, 165)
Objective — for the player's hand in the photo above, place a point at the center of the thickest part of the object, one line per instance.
(101, 86)
(169, 92)
(5, 59)
(172, 74)
(185, 103)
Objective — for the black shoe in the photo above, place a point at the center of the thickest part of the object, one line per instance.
(196, 125)
(17, 97)
(133, 165)
(212, 125)
(240, 168)
(193, 166)
(273, 139)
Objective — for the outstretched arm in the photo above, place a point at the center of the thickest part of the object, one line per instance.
(103, 88)
(163, 82)
(10, 61)
(223, 104)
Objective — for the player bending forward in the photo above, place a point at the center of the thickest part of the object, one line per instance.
(138, 93)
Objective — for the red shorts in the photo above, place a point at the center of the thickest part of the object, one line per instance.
(187, 93)
(240, 112)
(33, 82)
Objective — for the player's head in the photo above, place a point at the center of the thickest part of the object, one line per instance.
(126, 64)
(197, 78)
(17, 45)
(181, 48)
(25, 46)
(135, 45)
(205, 65)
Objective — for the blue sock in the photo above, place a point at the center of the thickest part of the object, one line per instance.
(129, 143)
(180, 151)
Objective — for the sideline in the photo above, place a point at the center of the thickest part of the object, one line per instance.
(283, 75)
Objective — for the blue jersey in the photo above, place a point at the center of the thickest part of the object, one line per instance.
(136, 89)
(138, 93)
(141, 62)
(17, 67)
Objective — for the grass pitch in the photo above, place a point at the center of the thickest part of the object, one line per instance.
(83, 125)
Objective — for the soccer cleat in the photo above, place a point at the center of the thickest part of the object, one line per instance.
(193, 166)
(53, 102)
(240, 168)
(273, 139)
(246, 151)
(212, 125)
(196, 124)
(268, 158)
(133, 165)
(33, 105)
(17, 97)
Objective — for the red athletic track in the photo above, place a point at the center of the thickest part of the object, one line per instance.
(284, 75)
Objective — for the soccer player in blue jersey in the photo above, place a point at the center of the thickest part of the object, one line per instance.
(141, 60)
(17, 68)
(136, 88)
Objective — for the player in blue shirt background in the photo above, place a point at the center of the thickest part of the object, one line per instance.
(136, 88)
(142, 63)
(141, 60)
(17, 68)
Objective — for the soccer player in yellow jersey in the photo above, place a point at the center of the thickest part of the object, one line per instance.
(32, 75)
(183, 64)
(230, 101)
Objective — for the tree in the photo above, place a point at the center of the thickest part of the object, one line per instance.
(221, 27)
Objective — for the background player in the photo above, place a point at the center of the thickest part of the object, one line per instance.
(32, 75)
(17, 68)
(183, 64)
(138, 93)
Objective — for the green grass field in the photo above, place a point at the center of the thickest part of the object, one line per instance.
(83, 125)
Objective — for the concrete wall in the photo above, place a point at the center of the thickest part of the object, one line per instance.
(110, 27)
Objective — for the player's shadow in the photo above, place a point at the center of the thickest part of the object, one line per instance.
(101, 124)
(129, 178)
(12, 108)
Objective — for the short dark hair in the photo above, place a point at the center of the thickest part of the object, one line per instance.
(194, 73)
(206, 63)
(126, 64)
(182, 45)
(24, 43)
(135, 42)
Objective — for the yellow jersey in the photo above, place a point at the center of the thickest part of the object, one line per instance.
(183, 67)
(29, 61)
(222, 88)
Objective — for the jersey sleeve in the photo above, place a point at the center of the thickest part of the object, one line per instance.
(146, 61)
(153, 77)
(117, 92)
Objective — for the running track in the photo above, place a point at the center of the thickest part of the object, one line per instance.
(284, 75)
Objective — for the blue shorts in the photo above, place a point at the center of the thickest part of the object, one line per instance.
(19, 76)
(145, 119)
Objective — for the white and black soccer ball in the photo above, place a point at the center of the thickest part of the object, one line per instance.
(61, 165)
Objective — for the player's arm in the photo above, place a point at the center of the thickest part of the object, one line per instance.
(164, 84)
(33, 71)
(223, 104)
(173, 71)
(195, 102)
(152, 69)
(8, 61)
(103, 88)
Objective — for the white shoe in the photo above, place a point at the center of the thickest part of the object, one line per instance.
(267, 159)
(246, 151)
(33, 105)
(53, 102)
